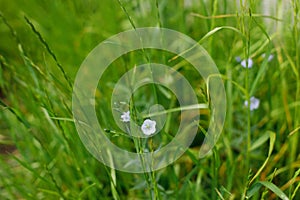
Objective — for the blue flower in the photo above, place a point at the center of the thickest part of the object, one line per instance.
(250, 63)
(238, 59)
(254, 103)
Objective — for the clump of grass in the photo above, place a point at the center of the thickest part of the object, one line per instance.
(42, 157)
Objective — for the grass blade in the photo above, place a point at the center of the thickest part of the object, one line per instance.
(254, 189)
(272, 137)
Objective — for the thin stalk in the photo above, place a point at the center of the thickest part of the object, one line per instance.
(246, 29)
(214, 12)
(248, 99)
(149, 176)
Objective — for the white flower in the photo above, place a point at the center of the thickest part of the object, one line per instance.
(254, 103)
(148, 127)
(271, 56)
(244, 63)
(125, 116)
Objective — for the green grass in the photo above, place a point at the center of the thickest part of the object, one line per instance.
(42, 45)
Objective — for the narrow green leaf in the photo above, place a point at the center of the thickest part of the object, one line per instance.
(297, 173)
(51, 192)
(260, 141)
(210, 33)
(274, 189)
(16, 113)
(272, 137)
(86, 189)
(261, 72)
(254, 189)
(33, 171)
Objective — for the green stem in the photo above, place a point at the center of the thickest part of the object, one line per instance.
(149, 176)
(247, 45)
(178, 109)
(247, 83)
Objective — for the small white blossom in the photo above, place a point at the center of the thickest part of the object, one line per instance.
(149, 127)
(125, 116)
(254, 103)
(250, 63)
(271, 56)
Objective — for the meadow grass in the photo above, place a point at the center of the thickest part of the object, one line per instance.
(43, 44)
